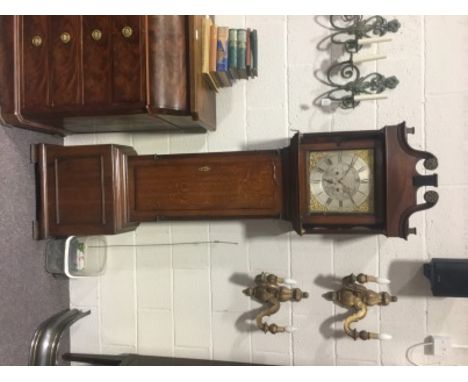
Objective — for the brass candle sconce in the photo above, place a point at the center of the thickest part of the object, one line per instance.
(358, 298)
(273, 290)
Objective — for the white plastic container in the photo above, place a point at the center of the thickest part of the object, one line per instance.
(77, 257)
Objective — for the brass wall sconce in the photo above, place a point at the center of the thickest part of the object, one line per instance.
(349, 88)
(358, 298)
(272, 290)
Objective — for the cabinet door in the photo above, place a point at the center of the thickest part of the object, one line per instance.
(97, 48)
(167, 63)
(65, 52)
(35, 42)
(128, 59)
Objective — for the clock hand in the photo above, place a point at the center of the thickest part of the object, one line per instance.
(346, 173)
(349, 167)
(340, 181)
(351, 197)
(347, 191)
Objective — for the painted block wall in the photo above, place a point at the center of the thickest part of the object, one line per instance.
(186, 301)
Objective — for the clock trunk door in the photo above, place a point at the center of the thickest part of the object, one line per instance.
(217, 185)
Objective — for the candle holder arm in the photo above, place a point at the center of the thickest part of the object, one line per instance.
(350, 279)
(359, 313)
(272, 328)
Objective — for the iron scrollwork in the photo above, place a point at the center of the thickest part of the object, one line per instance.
(344, 93)
(348, 85)
(357, 27)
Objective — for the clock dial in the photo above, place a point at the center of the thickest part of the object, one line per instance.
(341, 181)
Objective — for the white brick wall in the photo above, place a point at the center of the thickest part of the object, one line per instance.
(187, 301)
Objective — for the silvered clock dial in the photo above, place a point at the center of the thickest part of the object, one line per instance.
(341, 181)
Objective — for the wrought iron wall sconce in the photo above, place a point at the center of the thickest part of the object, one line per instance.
(273, 290)
(358, 299)
(353, 33)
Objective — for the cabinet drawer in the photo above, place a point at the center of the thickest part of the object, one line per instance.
(97, 48)
(128, 59)
(65, 53)
(35, 43)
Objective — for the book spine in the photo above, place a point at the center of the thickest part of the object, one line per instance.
(213, 54)
(205, 36)
(254, 46)
(233, 53)
(213, 41)
(206, 30)
(241, 47)
(222, 66)
(221, 50)
(248, 54)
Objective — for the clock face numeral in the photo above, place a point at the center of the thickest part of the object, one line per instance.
(341, 181)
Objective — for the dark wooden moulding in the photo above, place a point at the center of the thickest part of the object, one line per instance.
(107, 189)
(148, 81)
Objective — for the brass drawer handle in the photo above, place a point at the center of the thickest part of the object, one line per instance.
(96, 34)
(36, 40)
(127, 31)
(65, 37)
(204, 168)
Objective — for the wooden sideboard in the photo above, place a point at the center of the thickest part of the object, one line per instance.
(78, 74)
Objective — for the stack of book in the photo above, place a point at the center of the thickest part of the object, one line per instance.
(228, 54)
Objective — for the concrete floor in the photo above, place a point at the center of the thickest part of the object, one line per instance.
(28, 294)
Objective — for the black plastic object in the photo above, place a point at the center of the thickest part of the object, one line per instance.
(145, 360)
(448, 277)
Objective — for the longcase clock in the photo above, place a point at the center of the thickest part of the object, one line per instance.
(341, 182)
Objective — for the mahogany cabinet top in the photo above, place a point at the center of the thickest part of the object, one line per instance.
(66, 74)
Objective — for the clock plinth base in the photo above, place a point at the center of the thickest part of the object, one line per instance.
(82, 190)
